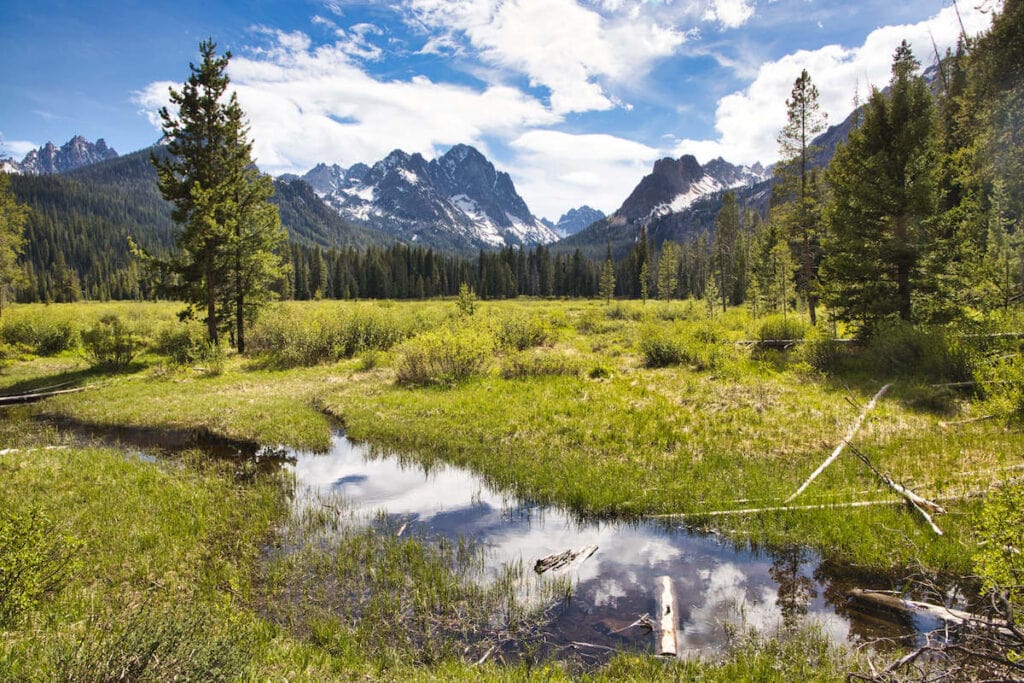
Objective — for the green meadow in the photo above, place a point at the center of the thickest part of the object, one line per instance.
(627, 409)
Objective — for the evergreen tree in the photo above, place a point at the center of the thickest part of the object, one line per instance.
(12, 238)
(883, 182)
(608, 275)
(228, 250)
(727, 230)
(668, 270)
(800, 207)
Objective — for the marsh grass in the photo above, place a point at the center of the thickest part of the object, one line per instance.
(719, 430)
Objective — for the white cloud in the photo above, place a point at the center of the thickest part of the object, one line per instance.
(571, 50)
(16, 149)
(729, 13)
(307, 105)
(748, 121)
(557, 171)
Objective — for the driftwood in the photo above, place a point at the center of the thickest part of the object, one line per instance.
(643, 621)
(842, 444)
(778, 508)
(894, 602)
(666, 641)
(8, 451)
(922, 505)
(19, 399)
(552, 562)
(784, 344)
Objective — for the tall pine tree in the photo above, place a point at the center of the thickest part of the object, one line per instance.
(799, 210)
(230, 248)
(883, 182)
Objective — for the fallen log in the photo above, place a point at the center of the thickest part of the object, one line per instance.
(895, 603)
(19, 399)
(779, 508)
(8, 451)
(666, 642)
(922, 505)
(842, 444)
(552, 562)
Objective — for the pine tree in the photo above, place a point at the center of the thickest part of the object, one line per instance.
(800, 208)
(727, 230)
(12, 238)
(229, 250)
(608, 275)
(883, 182)
(668, 268)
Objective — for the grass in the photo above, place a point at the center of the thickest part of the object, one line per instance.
(558, 405)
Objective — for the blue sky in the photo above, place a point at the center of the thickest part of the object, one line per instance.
(574, 98)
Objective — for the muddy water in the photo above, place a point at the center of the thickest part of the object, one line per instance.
(718, 586)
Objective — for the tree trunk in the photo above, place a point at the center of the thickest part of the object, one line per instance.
(211, 302)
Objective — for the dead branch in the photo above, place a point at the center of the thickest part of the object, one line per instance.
(922, 505)
(19, 399)
(643, 621)
(957, 423)
(839, 449)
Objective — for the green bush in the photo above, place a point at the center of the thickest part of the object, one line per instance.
(1000, 557)
(774, 327)
(289, 341)
(522, 365)
(443, 356)
(111, 343)
(665, 347)
(520, 331)
(34, 560)
(819, 350)
(46, 337)
(897, 348)
(187, 344)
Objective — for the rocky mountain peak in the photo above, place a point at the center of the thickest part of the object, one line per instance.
(75, 153)
(574, 220)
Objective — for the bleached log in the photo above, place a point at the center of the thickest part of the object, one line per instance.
(922, 505)
(948, 614)
(842, 444)
(666, 638)
(32, 398)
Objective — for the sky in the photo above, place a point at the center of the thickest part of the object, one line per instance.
(575, 99)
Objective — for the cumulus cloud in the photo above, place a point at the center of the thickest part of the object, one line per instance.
(571, 50)
(16, 149)
(729, 13)
(748, 122)
(556, 171)
(307, 105)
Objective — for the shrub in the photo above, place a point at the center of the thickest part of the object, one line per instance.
(443, 356)
(522, 365)
(661, 348)
(34, 560)
(111, 343)
(624, 311)
(522, 332)
(782, 327)
(901, 349)
(187, 344)
(44, 337)
(819, 350)
(290, 341)
(466, 301)
(999, 559)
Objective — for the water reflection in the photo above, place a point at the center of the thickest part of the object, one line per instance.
(718, 586)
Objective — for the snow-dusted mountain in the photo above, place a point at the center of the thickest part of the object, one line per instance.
(675, 184)
(457, 200)
(574, 220)
(49, 158)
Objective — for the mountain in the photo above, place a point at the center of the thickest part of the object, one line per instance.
(574, 220)
(678, 199)
(82, 220)
(75, 153)
(458, 201)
